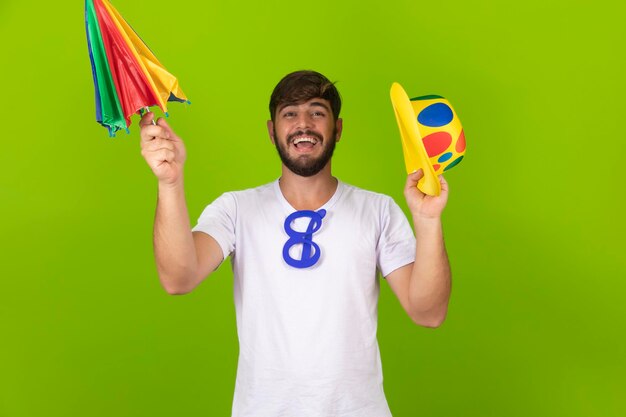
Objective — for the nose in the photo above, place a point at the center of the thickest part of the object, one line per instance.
(304, 121)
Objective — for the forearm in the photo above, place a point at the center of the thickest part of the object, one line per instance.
(174, 247)
(429, 288)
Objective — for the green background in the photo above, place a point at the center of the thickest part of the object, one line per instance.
(534, 224)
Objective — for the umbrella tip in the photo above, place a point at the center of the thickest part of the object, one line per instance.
(127, 131)
(167, 114)
(188, 102)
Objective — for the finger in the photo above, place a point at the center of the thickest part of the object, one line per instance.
(163, 124)
(443, 182)
(157, 144)
(151, 132)
(164, 155)
(413, 178)
(157, 159)
(147, 119)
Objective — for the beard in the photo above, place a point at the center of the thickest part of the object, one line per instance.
(306, 165)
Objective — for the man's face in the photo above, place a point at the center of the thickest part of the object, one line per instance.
(305, 135)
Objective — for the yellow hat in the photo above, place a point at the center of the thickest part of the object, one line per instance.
(432, 136)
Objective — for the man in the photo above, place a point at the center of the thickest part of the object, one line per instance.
(305, 251)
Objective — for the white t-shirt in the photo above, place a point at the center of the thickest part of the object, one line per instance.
(307, 336)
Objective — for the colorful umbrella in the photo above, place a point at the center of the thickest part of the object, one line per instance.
(126, 74)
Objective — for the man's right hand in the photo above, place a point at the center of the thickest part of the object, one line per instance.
(162, 149)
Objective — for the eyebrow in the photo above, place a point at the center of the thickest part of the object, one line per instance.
(320, 104)
(312, 104)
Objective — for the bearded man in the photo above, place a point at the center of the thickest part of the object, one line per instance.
(305, 251)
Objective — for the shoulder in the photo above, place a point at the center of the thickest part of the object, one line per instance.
(262, 191)
(248, 201)
(231, 205)
(369, 206)
(363, 196)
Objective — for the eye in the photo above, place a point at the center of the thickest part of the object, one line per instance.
(318, 114)
(289, 114)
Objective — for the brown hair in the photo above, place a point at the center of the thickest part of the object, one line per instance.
(301, 86)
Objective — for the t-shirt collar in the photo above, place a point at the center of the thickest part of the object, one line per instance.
(327, 206)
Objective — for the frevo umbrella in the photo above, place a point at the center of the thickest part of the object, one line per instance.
(127, 76)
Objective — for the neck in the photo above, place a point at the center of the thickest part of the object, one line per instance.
(308, 193)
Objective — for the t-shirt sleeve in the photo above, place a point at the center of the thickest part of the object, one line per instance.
(218, 220)
(396, 244)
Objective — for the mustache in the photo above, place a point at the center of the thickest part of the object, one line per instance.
(291, 137)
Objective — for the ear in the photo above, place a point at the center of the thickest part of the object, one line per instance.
(270, 130)
(339, 127)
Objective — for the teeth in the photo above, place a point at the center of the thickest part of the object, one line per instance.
(305, 139)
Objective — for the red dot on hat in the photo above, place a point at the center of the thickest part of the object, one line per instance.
(460, 143)
(437, 142)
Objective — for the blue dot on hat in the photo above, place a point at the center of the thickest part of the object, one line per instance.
(445, 157)
(436, 115)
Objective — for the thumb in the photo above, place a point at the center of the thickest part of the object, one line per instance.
(412, 179)
(146, 119)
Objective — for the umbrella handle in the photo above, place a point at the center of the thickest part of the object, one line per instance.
(147, 109)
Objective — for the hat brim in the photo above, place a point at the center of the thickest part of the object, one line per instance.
(415, 156)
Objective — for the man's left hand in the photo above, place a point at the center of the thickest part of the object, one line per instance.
(423, 206)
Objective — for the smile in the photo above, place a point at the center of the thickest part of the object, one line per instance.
(305, 142)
